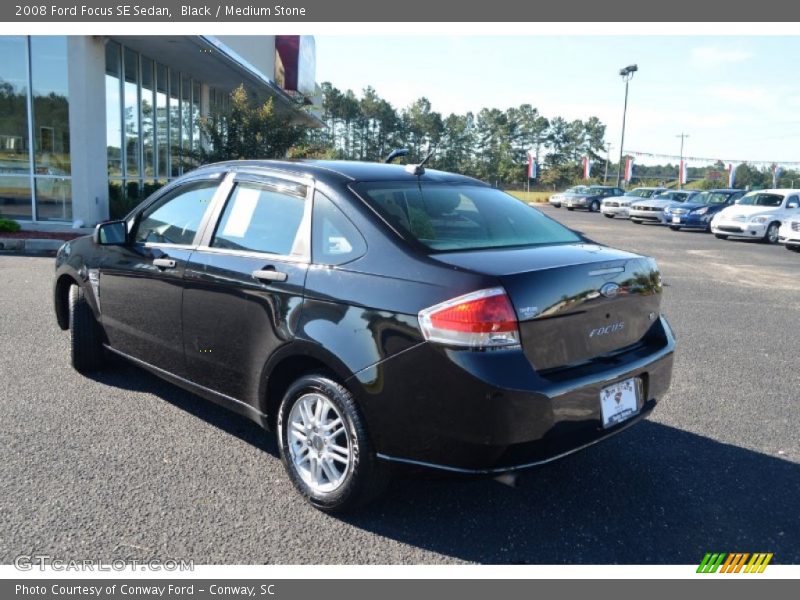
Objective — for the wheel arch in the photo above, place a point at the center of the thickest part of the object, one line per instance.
(287, 365)
(61, 298)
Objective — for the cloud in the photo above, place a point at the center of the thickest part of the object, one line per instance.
(714, 56)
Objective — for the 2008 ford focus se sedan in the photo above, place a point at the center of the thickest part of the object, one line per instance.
(373, 314)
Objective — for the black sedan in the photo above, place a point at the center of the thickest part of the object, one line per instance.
(592, 198)
(373, 315)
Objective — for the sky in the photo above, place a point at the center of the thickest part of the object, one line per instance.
(738, 98)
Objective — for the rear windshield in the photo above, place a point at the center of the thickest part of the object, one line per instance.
(641, 192)
(447, 217)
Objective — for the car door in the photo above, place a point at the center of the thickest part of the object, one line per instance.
(140, 284)
(244, 284)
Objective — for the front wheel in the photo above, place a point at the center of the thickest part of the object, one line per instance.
(594, 206)
(86, 337)
(771, 235)
(569, 208)
(635, 221)
(324, 446)
(608, 215)
(720, 236)
(674, 228)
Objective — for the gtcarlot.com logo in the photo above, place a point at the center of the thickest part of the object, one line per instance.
(734, 562)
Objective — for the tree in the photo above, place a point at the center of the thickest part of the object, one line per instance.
(249, 131)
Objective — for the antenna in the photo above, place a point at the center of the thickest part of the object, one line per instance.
(420, 168)
(396, 153)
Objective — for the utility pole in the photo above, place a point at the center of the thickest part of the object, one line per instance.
(681, 166)
(626, 74)
(608, 153)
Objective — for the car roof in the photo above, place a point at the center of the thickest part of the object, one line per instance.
(778, 191)
(341, 171)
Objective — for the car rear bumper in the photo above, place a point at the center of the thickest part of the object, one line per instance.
(490, 412)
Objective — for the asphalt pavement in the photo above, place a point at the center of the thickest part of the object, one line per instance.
(124, 465)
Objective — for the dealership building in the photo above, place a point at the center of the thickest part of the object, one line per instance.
(85, 118)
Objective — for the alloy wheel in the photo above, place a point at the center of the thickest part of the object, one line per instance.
(772, 233)
(319, 444)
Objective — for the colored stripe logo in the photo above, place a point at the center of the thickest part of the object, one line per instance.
(734, 562)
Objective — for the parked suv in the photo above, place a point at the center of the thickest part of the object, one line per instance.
(373, 315)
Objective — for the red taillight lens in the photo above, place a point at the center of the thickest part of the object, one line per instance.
(479, 320)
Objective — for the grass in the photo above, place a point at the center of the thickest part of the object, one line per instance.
(532, 196)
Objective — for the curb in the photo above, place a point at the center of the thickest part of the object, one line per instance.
(40, 247)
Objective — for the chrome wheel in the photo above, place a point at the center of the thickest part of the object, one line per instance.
(772, 233)
(319, 443)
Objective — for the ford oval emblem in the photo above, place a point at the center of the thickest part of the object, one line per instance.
(610, 290)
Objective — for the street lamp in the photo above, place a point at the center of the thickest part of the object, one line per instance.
(627, 75)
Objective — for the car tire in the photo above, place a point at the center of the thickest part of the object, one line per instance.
(332, 481)
(720, 236)
(608, 216)
(793, 248)
(569, 208)
(594, 206)
(86, 336)
(635, 221)
(674, 228)
(771, 234)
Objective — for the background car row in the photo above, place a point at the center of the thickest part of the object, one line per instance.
(771, 215)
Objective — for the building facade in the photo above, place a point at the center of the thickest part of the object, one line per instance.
(86, 121)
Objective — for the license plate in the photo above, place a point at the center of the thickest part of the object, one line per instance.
(619, 402)
(676, 219)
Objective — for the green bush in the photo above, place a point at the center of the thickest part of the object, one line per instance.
(7, 225)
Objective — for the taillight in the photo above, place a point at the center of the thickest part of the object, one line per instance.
(482, 319)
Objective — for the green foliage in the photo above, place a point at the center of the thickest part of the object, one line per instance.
(121, 200)
(248, 131)
(8, 226)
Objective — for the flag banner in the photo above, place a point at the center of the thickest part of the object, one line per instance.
(682, 174)
(736, 161)
(628, 169)
(776, 173)
(533, 168)
(587, 167)
(732, 174)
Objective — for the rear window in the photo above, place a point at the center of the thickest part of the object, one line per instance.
(447, 217)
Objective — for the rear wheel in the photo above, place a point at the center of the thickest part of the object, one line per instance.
(674, 228)
(721, 236)
(771, 235)
(569, 208)
(324, 446)
(86, 338)
(594, 206)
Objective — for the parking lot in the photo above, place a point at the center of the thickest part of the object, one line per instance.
(125, 465)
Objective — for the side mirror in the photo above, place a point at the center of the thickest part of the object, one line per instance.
(112, 233)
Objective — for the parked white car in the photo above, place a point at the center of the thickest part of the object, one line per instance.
(789, 234)
(652, 210)
(620, 206)
(757, 215)
(558, 199)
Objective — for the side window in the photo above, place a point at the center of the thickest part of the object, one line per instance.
(334, 239)
(793, 202)
(175, 218)
(262, 218)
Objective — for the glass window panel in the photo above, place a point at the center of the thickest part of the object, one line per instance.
(260, 219)
(131, 104)
(175, 122)
(53, 199)
(162, 122)
(15, 197)
(148, 118)
(195, 118)
(186, 114)
(14, 158)
(176, 217)
(50, 105)
(113, 109)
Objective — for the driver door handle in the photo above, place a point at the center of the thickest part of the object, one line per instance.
(270, 274)
(164, 263)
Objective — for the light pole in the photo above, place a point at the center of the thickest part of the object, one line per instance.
(627, 75)
(681, 166)
(605, 174)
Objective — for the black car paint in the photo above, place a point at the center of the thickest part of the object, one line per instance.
(424, 403)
